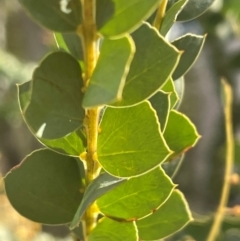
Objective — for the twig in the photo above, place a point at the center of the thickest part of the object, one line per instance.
(229, 163)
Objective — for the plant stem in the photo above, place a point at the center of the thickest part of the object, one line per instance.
(92, 165)
(160, 14)
(214, 232)
(89, 38)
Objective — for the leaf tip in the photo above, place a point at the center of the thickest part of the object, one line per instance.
(181, 52)
(171, 152)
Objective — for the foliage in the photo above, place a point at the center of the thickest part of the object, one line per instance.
(103, 107)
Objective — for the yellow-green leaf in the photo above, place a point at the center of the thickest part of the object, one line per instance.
(180, 133)
(130, 142)
(172, 216)
(137, 197)
(110, 230)
(169, 87)
(127, 15)
(161, 103)
(171, 15)
(108, 78)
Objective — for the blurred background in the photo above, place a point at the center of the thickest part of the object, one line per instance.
(23, 43)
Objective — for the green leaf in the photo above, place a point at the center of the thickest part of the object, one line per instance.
(45, 187)
(193, 8)
(130, 142)
(172, 216)
(109, 75)
(171, 15)
(110, 230)
(171, 167)
(56, 15)
(71, 43)
(79, 231)
(180, 134)
(127, 16)
(169, 87)
(55, 107)
(72, 144)
(104, 11)
(179, 85)
(24, 95)
(192, 46)
(146, 67)
(137, 197)
(60, 42)
(161, 103)
(99, 186)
